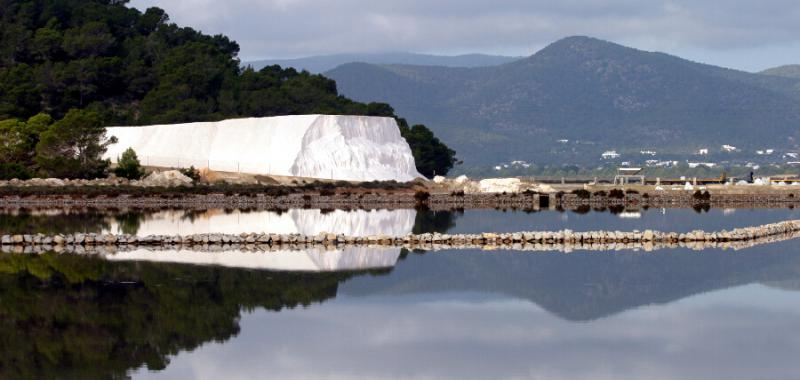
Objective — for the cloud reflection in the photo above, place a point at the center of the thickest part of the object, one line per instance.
(739, 333)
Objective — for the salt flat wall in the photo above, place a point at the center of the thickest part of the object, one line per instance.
(357, 148)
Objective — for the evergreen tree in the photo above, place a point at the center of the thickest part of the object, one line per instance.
(73, 146)
(128, 165)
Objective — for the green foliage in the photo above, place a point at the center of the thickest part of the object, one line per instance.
(138, 68)
(431, 155)
(128, 165)
(72, 147)
(191, 172)
(11, 170)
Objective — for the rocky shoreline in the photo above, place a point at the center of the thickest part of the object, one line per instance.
(528, 240)
(403, 200)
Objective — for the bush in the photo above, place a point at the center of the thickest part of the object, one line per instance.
(631, 191)
(582, 193)
(11, 170)
(600, 193)
(702, 196)
(422, 196)
(616, 193)
(459, 193)
(191, 172)
(128, 165)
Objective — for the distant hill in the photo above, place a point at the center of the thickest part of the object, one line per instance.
(321, 63)
(596, 94)
(789, 71)
(584, 286)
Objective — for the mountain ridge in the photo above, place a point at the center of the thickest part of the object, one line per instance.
(321, 63)
(604, 95)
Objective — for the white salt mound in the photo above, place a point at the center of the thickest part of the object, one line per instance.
(499, 185)
(356, 148)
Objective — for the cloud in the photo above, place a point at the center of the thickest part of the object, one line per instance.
(288, 28)
(739, 333)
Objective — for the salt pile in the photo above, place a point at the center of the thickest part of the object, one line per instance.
(355, 148)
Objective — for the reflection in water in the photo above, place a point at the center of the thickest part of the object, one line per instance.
(302, 221)
(69, 316)
(376, 222)
(741, 333)
(316, 259)
(83, 316)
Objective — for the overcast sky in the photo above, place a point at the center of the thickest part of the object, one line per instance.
(744, 34)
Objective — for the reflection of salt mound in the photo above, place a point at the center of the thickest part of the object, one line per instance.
(311, 260)
(303, 221)
(318, 146)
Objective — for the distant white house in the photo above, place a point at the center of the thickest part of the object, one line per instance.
(706, 164)
(791, 154)
(729, 148)
(647, 152)
(610, 155)
(703, 152)
(563, 141)
(765, 152)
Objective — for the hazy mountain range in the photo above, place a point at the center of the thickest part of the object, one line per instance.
(789, 71)
(596, 94)
(322, 63)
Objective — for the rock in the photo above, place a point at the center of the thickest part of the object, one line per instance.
(167, 178)
(439, 179)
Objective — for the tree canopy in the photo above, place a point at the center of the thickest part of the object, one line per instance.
(136, 68)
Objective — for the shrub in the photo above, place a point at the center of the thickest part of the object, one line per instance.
(631, 191)
(582, 193)
(459, 193)
(327, 192)
(600, 193)
(11, 170)
(191, 172)
(128, 165)
(616, 193)
(422, 196)
(702, 196)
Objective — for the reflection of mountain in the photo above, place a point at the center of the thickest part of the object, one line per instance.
(303, 221)
(67, 316)
(315, 259)
(586, 286)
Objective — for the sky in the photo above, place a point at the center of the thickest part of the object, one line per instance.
(741, 34)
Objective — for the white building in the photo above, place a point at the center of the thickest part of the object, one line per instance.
(610, 154)
(358, 148)
(703, 152)
(729, 148)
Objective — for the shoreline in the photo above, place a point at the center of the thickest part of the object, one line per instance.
(345, 199)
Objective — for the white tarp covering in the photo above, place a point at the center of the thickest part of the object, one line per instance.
(357, 148)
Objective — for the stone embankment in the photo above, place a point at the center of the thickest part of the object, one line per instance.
(531, 240)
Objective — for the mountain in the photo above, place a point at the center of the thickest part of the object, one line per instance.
(789, 71)
(584, 286)
(322, 63)
(596, 94)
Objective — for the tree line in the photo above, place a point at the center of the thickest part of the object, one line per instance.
(64, 63)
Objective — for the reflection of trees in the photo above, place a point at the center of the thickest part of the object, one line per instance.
(26, 222)
(435, 221)
(67, 316)
(129, 222)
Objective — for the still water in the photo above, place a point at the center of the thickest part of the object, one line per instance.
(467, 314)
